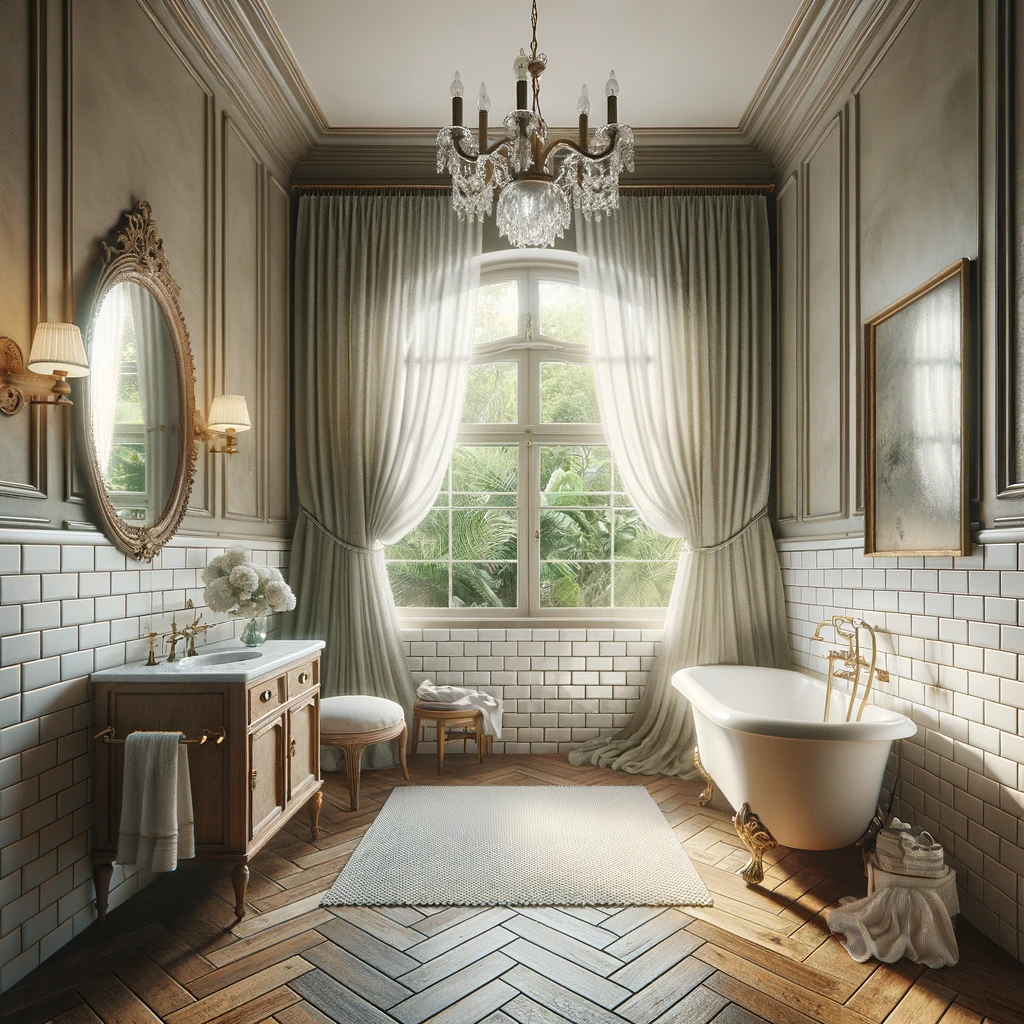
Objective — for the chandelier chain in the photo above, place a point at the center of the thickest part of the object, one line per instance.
(534, 74)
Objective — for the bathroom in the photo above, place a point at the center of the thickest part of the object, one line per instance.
(888, 134)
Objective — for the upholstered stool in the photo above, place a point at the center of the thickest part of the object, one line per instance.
(353, 723)
(444, 717)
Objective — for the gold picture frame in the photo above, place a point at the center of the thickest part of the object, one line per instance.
(916, 436)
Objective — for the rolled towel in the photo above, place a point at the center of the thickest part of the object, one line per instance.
(157, 825)
(458, 698)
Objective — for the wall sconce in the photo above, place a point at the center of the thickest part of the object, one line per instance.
(229, 416)
(57, 353)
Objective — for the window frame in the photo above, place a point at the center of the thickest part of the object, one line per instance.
(528, 349)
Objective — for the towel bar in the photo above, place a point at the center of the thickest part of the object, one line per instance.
(216, 735)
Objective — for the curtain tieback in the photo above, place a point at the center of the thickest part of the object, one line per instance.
(339, 540)
(739, 533)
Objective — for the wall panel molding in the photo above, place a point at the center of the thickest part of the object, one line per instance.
(243, 342)
(788, 373)
(35, 483)
(277, 317)
(1009, 285)
(825, 384)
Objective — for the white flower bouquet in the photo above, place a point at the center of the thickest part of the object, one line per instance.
(239, 587)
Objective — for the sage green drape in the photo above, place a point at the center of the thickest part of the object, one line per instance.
(385, 292)
(679, 305)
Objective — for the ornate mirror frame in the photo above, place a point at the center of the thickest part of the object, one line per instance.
(137, 256)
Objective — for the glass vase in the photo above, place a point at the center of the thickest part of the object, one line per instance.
(255, 631)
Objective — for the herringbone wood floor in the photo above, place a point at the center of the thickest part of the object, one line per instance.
(760, 953)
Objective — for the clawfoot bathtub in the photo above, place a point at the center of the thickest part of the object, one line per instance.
(792, 778)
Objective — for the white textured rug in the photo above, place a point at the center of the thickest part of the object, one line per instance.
(519, 846)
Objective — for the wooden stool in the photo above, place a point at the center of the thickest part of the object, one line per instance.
(353, 723)
(443, 718)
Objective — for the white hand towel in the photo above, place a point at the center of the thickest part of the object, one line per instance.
(458, 697)
(157, 827)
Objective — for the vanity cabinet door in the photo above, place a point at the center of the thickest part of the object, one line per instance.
(303, 745)
(266, 774)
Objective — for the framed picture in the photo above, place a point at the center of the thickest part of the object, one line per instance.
(916, 365)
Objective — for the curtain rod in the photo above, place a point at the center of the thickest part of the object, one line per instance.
(397, 186)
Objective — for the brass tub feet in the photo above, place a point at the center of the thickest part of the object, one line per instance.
(867, 841)
(709, 785)
(757, 839)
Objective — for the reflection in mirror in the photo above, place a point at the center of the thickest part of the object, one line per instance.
(134, 407)
(138, 406)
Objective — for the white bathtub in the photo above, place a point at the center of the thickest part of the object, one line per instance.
(813, 784)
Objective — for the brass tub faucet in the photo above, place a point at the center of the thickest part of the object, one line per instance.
(846, 632)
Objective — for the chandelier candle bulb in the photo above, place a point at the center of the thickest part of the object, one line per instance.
(521, 66)
(457, 91)
(583, 108)
(611, 90)
(483, 105)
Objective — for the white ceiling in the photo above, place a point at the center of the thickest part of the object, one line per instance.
(389, 63)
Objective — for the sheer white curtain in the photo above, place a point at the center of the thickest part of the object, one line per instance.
(156, 373)
(679, 303)
(108, 336)
(385, 287)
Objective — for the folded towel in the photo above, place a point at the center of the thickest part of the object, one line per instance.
(905, 849)
(458, 697)
(157, 827)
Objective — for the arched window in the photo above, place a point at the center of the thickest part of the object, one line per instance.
(532, 519)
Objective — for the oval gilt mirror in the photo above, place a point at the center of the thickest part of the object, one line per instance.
(140, 395)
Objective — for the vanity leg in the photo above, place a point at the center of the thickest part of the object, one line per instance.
(709, 785)
(101, 872)
(757, 839)
(415, 734)
(313, 809)
(240, 882)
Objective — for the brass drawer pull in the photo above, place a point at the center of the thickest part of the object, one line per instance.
(303, 678)
(266, 695)
(252, 777)
(291, 747)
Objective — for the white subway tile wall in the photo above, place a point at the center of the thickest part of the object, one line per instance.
(67, 610)
(559, 686)
(953, 643)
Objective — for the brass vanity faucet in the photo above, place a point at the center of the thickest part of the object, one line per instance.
(847, 631)
(172, 638)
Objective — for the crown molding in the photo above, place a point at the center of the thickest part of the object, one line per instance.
(241, 42)
(409, 156)
(826, 41)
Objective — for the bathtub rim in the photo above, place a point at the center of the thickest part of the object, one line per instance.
(884, 726)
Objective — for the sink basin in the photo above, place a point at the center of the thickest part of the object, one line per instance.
(220, 658)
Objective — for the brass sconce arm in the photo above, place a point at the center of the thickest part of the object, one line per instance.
(211, 437)
(229, 416)
(19, 385)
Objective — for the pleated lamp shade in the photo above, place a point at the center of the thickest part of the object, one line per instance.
(229, 412)
(58, 348)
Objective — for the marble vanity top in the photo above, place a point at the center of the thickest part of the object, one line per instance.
(227, 661)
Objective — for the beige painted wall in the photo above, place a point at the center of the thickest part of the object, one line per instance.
(882, 192)
(896, 179)
(100, 108)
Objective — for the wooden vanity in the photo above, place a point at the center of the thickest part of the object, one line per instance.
(259, 763)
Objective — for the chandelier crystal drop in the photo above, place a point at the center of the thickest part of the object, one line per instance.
(537, 182)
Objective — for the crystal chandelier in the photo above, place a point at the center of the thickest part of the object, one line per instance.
(537, 182)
